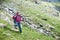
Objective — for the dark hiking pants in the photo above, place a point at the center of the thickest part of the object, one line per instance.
(19, 25)
(15, 24)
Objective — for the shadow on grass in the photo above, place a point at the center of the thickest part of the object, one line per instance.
(11, 30)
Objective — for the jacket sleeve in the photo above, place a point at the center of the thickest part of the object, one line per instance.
(13, 17)
(22, 18)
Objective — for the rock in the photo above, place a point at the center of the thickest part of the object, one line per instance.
(41, 25)
(13, 29)
(37, 14)
(50, 27)
(38, 39)
(3, 25)
(8, 34)
(58, 38)
(51, 0)
(44, 19)
(38, 27)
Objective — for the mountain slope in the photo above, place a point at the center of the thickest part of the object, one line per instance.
(29, 9)
(28, 34)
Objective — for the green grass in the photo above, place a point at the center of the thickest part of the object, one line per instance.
(38, 19)
(27, 34)
(57, 4)
(7, 1)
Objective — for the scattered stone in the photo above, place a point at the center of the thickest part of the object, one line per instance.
(13, 29)
(3, 25)
(38, 27)
(44, 31)
(58, 38)
(8, 34)
(49, 26)
(41, 25)
(37, 14)
(38, 39)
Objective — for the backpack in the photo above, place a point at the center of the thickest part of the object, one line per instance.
(18, 18)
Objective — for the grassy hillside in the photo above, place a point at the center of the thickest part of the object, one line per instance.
(28, 34)
(29, 11)
(32, 11)
(57, 4)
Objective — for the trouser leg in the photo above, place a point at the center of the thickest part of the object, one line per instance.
(15, 24)
(20, 29)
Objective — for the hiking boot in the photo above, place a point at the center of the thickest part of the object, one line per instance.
(15, 27)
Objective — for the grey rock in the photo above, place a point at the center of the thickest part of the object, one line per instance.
(3, 25)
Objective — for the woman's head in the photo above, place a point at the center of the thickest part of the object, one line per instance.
(17, 13)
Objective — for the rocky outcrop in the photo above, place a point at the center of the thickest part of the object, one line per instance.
(40, 27)
(51, 0)
(6, 18)
(3, 25)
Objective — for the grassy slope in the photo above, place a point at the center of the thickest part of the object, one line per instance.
(28, 34)
(28, 11)
(31, 34)
(57, 4)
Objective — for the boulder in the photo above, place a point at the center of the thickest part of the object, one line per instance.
(2, 25)
(13, 29)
